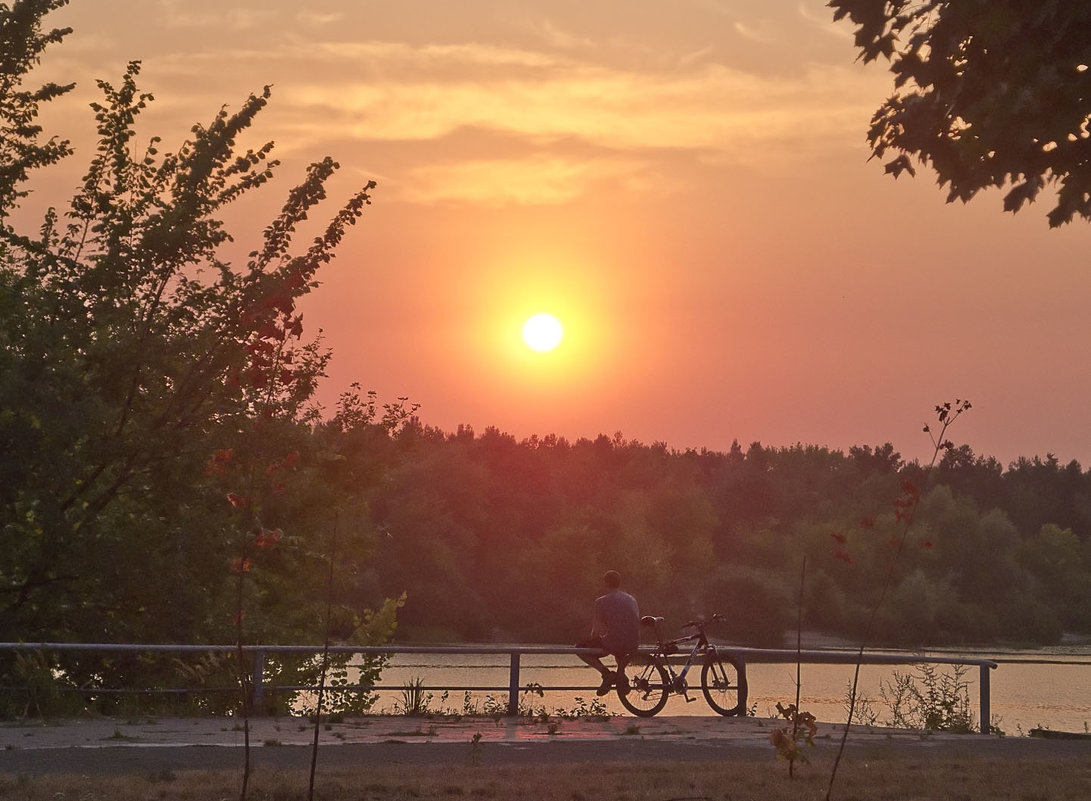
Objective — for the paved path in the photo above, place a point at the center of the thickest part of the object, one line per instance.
(148, 745)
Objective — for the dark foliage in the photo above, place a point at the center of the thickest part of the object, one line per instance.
(498, 539)
(988, 93)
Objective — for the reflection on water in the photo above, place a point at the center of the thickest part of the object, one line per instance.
(1025, 694)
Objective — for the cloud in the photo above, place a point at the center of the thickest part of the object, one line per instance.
(824, 22)
(384, 55)
(539, 180)
(317, 19)
(415, 98)
(705, 107)
(181, 14)
(554, 36)
(765, 32)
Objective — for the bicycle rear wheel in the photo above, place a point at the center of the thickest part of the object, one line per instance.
(724, 684)
(649, 687)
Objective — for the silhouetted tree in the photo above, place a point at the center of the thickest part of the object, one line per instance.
(988, 93)
(131, 352)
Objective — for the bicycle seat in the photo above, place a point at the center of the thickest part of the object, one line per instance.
(648, 620)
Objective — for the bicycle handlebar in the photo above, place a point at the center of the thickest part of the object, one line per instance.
(700, 623)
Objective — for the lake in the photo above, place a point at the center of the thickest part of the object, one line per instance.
(1048, 688)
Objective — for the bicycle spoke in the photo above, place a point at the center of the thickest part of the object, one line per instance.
(723, 684)
(648, 689)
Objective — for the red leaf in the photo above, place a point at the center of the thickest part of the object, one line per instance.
(218, 462)
(267, 538)
(281, 464)
(240, 565)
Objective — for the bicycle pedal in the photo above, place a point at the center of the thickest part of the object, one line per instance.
(688, 699)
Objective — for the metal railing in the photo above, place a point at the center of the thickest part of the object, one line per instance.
(742, 656)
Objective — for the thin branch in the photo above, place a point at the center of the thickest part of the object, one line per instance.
(325, 659)
(946, 414)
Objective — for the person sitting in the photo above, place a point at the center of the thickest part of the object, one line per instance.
(615, 629)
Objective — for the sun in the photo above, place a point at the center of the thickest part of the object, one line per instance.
(543, 332)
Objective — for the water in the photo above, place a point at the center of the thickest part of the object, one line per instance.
(1025, 694)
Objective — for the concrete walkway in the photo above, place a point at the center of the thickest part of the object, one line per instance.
(377, 729)
(116, 745)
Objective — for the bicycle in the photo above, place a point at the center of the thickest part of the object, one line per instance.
(651, 678)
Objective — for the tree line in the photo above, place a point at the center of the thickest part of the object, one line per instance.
(497, 539)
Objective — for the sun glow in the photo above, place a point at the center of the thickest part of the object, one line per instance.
(543, 332)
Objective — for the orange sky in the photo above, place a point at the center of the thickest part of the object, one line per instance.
(685, 184)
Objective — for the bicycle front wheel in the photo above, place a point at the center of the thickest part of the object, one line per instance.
(648, 689)
(724, 684)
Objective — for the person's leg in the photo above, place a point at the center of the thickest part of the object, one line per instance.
(595, 661)
(621, 681)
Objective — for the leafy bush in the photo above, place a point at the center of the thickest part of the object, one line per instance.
(35, 688)
(930, 700)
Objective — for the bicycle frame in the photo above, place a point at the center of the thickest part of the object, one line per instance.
(666, 649)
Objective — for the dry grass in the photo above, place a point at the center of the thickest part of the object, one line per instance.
(875, 777)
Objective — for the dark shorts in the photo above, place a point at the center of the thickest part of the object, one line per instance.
(596, 642)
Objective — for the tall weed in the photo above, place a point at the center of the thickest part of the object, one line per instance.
(930, 700)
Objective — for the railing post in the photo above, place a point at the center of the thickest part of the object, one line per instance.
(986, 701)
(743, 687)
(513, 685)
(257, 684)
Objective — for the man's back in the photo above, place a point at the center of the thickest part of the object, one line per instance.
(617, 620)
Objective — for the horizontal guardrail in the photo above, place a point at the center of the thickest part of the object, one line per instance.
(742, 656)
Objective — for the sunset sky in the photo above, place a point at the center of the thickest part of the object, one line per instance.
(685, 184)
